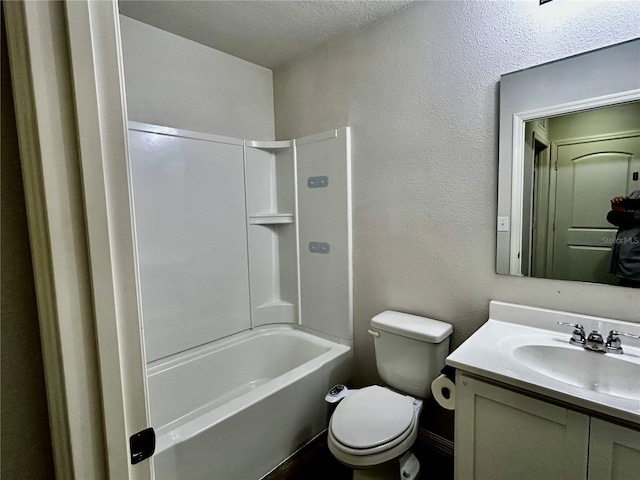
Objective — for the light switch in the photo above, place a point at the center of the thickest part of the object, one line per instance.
(503, 224)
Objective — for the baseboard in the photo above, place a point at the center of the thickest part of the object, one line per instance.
(432, 441)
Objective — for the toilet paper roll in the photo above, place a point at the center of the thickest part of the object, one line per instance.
(444, 392)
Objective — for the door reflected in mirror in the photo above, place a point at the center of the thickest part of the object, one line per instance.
(574, 167)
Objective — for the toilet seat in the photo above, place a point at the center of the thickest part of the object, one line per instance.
(372, 417)
(371, 457)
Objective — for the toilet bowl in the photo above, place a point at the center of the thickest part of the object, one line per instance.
(373, 429)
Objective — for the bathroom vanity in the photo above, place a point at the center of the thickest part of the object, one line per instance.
(535, 399)
(530, 405)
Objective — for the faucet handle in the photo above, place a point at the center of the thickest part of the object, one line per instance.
(614, 345)
(577, 337)
(577, 326)
(628, 335)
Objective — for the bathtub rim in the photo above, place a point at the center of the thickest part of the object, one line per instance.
(160, 365)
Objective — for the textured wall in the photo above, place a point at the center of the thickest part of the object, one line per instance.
(26, 441)
(175, 82)
(419, 90)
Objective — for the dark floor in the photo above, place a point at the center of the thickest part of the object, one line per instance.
(315, 462)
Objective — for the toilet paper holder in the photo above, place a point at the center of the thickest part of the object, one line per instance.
(450, 372)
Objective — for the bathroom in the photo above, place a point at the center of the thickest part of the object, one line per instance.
(419, 90)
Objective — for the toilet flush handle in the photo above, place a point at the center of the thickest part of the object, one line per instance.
(374, 333)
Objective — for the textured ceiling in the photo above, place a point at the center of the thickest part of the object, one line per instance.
(268, 32)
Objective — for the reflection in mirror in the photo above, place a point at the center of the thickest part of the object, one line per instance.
(575, 165)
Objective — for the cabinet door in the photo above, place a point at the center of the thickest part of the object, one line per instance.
(500, 434)
(614, 452)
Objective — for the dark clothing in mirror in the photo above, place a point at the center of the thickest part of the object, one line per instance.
(625, 255)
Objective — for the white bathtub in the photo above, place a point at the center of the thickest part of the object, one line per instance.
(238, 407)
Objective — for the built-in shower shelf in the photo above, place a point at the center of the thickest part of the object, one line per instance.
(270, 218)
(274, 311)
(276, 303)
(269, 144)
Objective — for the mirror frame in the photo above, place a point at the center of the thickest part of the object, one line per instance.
(574, 84)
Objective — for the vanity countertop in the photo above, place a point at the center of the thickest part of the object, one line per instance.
(523, 347)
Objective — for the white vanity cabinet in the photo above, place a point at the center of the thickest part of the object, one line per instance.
(614, 452)
(504, 435)
(501, 434)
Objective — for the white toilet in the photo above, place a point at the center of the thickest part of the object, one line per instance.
(372, 429)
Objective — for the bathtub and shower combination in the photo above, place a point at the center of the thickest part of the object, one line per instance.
(235, 227)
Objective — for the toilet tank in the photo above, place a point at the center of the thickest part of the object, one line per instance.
(410, 350)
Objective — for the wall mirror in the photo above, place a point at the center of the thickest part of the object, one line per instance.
(569, 144)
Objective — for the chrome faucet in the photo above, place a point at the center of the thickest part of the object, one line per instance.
(594, 340)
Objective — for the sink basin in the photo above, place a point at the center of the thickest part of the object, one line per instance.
(603, 373)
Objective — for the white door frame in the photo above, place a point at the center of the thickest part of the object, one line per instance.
(517, 155)
(535, 252)
(98, 81)
(77, 185)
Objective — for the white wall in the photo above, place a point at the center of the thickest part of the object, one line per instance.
(419, 90)
(180, 83)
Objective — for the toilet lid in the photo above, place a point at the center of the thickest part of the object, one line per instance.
(371, 417)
